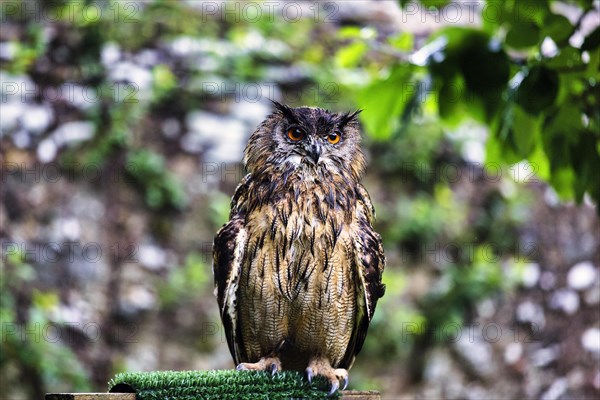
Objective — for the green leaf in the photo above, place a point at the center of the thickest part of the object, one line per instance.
(559, 134)
(486, 74)
(529, 11)
(383, 101)
(566, 122)
(586, 164)
(219, 209)
(163, 78)
(45, 300)
(450, 99)
(540, 163)
(522, 35)
(494, 14)
(483, 64)
(569, 57)
(557, 27)
(149, 172)
(437, 4)
(538, 90)
(594, 65)
(184, 281)
(404, 41)
(499, 151)
(485, 69)
(524, 131)
(349, 56)
(562, 181)
(349, 32)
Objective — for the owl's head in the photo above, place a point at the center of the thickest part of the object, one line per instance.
(312, 141)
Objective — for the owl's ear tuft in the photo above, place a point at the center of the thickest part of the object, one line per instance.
(348, 117)
(286, 111)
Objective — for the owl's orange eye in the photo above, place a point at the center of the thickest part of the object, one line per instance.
(295, 134)
(333, 138)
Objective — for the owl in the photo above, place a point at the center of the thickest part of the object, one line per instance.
(298, 267)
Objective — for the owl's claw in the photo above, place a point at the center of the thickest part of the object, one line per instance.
(335, 385)
(309, 374)
(322, 367)
(268, 364)
(346, 379)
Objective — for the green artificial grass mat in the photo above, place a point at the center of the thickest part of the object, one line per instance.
(220, 384)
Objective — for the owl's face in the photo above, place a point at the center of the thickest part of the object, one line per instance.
(311, 141)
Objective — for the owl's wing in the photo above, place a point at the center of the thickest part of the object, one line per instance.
(369, 262)
(228, 251)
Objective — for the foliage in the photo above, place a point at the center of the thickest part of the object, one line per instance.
(37, 344)
(541, 105)
(184, 282)
(148, 171)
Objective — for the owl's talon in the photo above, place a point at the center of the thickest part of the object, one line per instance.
(309, 374)
(342, 375)
(267, 364)
(346, 379)
(335, 385)
(322, 366)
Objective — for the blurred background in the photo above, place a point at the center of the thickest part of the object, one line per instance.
(122, 130)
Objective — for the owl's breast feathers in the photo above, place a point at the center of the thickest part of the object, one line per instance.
(298, 262)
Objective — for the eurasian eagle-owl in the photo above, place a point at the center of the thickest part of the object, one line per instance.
(298, 267)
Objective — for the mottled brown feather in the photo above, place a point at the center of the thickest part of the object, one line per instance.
(298, 267)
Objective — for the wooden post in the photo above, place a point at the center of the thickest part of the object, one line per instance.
(360, 395)
(346, 395)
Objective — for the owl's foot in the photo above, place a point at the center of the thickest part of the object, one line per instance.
(270, 364)
(321, 366)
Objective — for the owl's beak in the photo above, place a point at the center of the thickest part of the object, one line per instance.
(314, 151)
